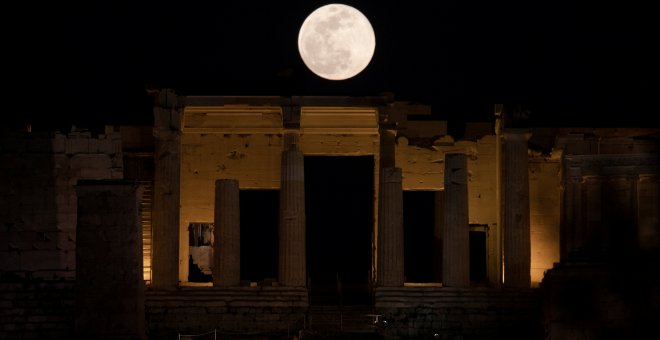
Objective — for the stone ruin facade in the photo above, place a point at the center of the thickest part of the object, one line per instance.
(536, 233)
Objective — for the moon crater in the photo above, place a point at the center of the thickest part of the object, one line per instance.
(336, 42)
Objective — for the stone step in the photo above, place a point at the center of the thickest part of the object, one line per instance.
(347, 319)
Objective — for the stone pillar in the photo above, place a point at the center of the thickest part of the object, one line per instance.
(648, 214)
(166, 191)
(292, 250)
(456, 229)
(390, 228)
(109, 292)
(517, 248)
(227, 234)
(571, 213)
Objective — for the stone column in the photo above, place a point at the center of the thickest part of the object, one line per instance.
(292, 250)
(165, 213)
(456, 229)
(109, 292)
(390, 228)
(571, 216)
(227, 234)
(648, 214)
(517, 248)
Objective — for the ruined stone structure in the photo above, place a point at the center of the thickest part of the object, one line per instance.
(332, 214)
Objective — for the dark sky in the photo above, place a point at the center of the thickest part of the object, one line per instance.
(90, 62)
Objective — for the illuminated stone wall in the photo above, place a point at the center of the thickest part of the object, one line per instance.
(253, 160)
(423, 169)
(246, 148)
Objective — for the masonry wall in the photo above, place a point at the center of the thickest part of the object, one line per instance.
(241, 312)
(38, 173)
(458, 313)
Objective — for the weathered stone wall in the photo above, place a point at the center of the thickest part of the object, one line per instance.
(109, 289)
(608, 281)
(237, 311)
(38, 173)
(458, 313)
(602, 301)
(36, 310)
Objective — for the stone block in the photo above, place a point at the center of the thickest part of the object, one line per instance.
(116, 173)
(87, 173)
(45, 259)
(58, 143)
(9, 260)
(90, 161)
(105, 146)
(77, 145)
(38, 143)
(93, 145)
(13, 143)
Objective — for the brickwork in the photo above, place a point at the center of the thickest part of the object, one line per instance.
(36, 310)
(38, 219)
(109, 289)
(38, 173)
(240, 311)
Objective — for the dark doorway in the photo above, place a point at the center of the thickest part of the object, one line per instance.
(259, 239)
(478, 258)
(418, 238)
(339, 211)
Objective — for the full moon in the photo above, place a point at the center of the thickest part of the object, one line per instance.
(336, 42)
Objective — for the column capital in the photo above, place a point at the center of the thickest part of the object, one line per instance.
(390, 175)
(290, 139)
(291, 116)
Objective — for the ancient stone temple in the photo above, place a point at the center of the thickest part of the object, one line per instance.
(288, 217)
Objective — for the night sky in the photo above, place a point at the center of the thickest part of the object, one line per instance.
(89, 63)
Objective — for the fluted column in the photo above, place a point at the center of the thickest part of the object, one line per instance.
(517, 251)
(571, 213)
(456, 229)
(390, 228)
(292, 263)
(227, 234)
(165, 213)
